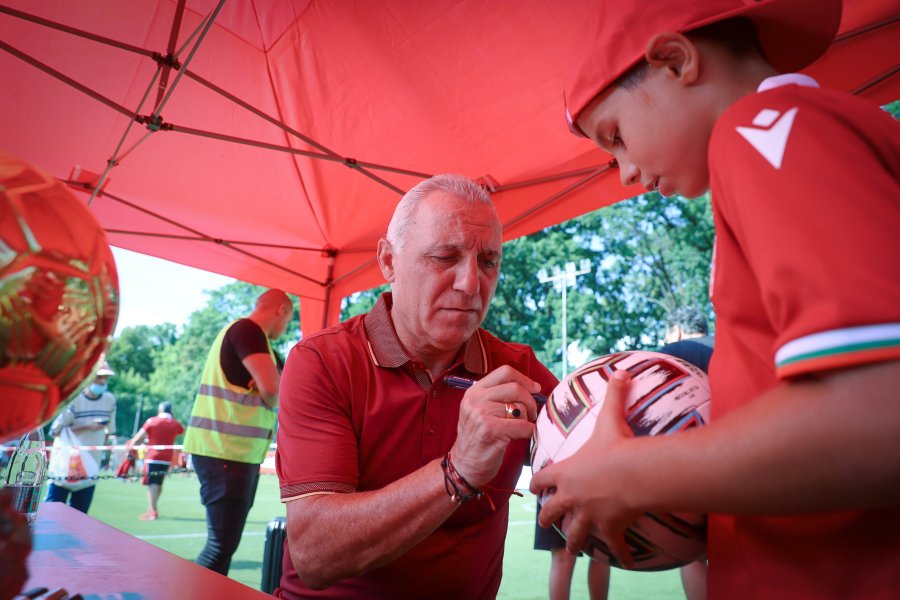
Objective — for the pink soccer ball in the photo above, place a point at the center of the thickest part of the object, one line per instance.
(666, 395)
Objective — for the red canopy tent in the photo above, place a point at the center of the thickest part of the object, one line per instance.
(269, 141)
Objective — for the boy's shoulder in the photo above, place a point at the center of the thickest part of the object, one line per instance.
(785, 97)
(766, 127)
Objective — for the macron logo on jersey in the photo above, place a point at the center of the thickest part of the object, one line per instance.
(770, 134)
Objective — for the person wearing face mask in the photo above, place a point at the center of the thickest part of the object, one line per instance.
(91, 417)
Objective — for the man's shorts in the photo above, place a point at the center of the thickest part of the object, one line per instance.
(154, 473)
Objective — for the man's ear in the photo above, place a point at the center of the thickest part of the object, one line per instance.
(676, 54)
(385, 256)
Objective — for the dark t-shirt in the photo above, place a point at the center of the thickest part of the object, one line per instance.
(696, 351)
(241, 340)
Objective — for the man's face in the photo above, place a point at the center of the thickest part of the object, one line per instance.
(101, 379)
(657, 131)
(444, 275)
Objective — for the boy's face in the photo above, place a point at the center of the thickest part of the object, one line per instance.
(656, 130)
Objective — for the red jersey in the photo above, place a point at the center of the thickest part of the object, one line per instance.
(806, 197)
(161, 430)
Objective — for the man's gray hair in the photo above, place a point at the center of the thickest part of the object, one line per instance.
(459, 185)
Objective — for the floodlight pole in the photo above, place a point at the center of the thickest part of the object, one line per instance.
(564, 278)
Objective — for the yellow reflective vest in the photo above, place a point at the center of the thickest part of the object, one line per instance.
(228, 421)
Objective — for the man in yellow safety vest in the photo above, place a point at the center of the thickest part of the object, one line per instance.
(232, 423)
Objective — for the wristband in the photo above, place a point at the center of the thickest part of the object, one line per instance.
(456, 485)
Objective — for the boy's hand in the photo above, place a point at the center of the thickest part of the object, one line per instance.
(585, 484)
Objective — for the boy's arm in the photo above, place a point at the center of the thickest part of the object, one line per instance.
(820, 443)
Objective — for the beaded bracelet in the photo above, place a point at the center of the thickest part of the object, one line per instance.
(453, 482)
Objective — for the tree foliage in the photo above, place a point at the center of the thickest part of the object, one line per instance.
(648, 255)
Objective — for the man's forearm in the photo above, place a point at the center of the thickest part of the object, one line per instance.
(337, 536)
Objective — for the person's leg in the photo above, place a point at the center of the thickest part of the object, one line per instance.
(562, 564)
(81, 499)
(693, 578)
(227, 489)
(598, 579)
(153, 492)
(56, 493)
(154, 476)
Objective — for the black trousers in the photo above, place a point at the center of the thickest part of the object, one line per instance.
(227, 490)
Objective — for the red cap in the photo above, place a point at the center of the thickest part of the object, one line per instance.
(792, 33)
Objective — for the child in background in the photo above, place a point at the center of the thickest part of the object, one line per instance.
(160, 430)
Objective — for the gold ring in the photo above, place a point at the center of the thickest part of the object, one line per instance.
(512, 411)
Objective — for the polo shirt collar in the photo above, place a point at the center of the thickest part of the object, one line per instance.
(385, 348)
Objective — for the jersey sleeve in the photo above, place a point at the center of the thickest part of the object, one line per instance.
(246, 338)
(317, 449)
(810, 189)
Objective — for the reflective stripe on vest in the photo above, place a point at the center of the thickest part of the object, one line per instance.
(231, 428)
(228, 421)
(230, 396)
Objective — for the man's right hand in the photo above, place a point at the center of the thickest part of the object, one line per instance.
(484, 429)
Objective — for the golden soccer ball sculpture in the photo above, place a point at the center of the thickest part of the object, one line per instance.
(59, 296)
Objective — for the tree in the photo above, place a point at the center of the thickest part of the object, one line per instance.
(650, 254)
(136, 348)
(134, 355)
(361, 302)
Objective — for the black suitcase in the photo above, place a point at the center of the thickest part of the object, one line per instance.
(273, 553)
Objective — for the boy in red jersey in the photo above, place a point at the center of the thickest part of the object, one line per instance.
(160, 430)
(800, 466)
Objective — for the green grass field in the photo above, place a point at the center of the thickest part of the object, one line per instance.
(181, 529)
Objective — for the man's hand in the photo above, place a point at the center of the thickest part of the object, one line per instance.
(586, 487)
(484, 429)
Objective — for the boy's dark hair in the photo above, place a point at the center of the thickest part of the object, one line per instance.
(165, 407)
(689, 318)
(737, 36)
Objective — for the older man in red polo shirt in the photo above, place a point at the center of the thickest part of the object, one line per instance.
(396, 483)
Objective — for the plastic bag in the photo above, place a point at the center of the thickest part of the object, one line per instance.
(69, 467)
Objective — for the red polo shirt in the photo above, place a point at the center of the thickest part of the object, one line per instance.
(806, 196)
(356, 413)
